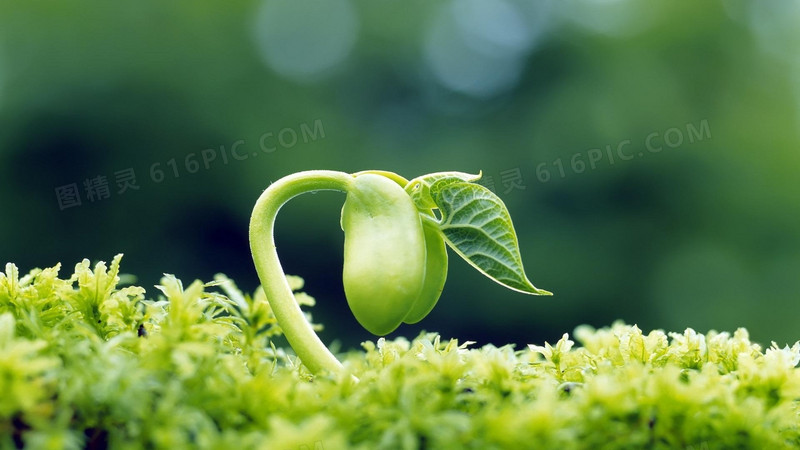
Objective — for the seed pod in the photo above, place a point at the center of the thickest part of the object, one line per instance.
(435, 274)
(384, 253)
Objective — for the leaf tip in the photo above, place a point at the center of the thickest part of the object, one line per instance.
(533, 290)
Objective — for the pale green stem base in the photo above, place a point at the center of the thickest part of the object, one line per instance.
(305, 342)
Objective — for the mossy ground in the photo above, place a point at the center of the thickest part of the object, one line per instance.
(85, 363)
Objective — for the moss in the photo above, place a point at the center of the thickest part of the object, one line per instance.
(85, 363)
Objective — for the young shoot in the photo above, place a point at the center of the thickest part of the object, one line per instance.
(395, 258)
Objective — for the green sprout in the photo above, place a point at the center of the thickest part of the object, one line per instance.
(395, 257)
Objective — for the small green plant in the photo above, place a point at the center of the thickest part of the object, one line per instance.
(395, 258)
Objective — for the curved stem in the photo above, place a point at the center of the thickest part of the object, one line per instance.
(305, 342)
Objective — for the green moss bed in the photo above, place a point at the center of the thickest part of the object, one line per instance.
(88, 363)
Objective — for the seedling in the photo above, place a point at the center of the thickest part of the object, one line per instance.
(395, 257)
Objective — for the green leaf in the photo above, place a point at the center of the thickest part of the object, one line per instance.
(476, 224)
(420, 188)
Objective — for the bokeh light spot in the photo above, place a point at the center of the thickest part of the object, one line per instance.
(776, 24)
(302, 39)
(492, 26)
(479, 48)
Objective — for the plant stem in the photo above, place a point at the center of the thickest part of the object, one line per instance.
(305, 342)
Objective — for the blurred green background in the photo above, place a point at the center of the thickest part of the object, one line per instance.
(648, 151)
